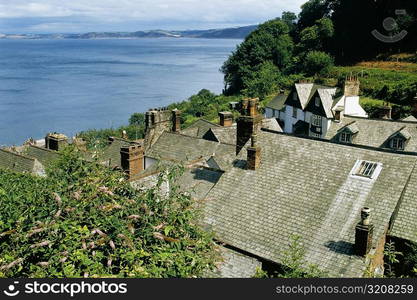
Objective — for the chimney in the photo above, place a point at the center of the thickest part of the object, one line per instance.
(352, 86)
(132, 159)
(248, 123)
(254, 154)
(56, 141)
(176, 120)
(385, 112)
(338, 114)
(363, 233)
(226, 119)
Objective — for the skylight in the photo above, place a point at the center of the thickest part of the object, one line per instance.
(366, 169)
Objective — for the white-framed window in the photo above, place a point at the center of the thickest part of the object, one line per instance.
(316, 120)
(366, 169)
(317, 101)
(345, 137)
(397, 144)
(294, 112)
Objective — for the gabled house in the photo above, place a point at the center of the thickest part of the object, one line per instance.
(309, 108)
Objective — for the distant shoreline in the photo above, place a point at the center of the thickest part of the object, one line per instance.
(226, 33)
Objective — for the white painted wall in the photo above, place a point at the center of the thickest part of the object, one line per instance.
(289, 120)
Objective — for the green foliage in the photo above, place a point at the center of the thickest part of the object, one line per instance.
(86, 220)
(390, 259)
(317, 62)
(137, 119)
(316, 37)
(293, 264)
(262, 82)
(98, 138)
(393, 86)
(410, 259)
(205, 105)
(270, 42)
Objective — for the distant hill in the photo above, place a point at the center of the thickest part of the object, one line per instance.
(226, 33)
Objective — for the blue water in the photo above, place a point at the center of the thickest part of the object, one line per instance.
(73, 85)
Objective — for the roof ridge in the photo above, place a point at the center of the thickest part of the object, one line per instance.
(17, 154)
(197, 138)
(44, 149)
(364, 147)
(382, 120)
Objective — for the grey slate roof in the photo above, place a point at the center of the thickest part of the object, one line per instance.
(182, 148)
(111, 154)
(326, 96)
(410, 119)
(278, 102)
(306, 91)
(304, 187)
(16, 162)
(198, 181)
(375, 132)
(225, 135)
(199, 128)
(405, 222)
(234, 265)
(43, 155)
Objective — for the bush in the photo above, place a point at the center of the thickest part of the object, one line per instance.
(317, 63)
(85, 220)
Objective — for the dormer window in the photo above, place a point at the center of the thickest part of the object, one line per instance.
(345, 137)
(317, 101)
(397, 144)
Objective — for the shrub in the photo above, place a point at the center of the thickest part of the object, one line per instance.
(85, 220)
(317, 62)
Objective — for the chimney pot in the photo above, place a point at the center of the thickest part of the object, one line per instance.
(363, 233)
(132, 159)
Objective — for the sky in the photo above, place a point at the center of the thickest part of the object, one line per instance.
(71, 16)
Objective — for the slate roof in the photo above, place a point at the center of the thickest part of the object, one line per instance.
(182, 148)
(306, 91)
(375, 132)
(304, 187)
(199, 128)
(111, 154)
(198, 181)
(410, 119)
(43, 155)
(326, 96)
(278, 102)
(225, 135)
(234, 265)
(16, 162)
(405, 222)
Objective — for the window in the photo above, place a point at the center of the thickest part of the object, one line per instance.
(316, 120)
(294, 113)
(317, 102)
(316, 135)
(345, 137)
(366, 169)
(397, 144)
(294, 96)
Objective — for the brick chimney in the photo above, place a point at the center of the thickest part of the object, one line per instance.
(254, 154)
(363, 233)
(352, 86)
(338, 114)
(226, 118)
(385, 112)
(56, 141)
(132, 159)
(248, 123)
(176, 120)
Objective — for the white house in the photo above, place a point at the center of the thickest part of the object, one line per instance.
(309, 108)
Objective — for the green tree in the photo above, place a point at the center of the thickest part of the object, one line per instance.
(317, 62)
(263, 82)
(317, 37)
(270, 42)
(137, 119)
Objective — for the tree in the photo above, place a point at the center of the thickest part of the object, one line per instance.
(137, 119)
(317, 62)
(311, 11)
(270, 42)
(316, 37)
(263, 82)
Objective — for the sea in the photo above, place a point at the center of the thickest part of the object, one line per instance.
(69, 86)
